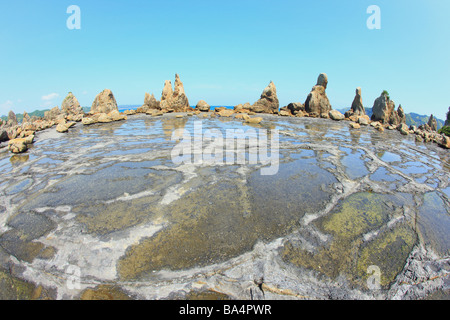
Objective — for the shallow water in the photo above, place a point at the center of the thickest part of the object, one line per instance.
(107, 204)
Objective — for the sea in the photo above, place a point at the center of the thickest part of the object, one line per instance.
(122, 108)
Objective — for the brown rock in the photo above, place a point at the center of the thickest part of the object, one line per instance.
(150, 103)
(403, 128)
(336, 115)
(71, 106)
(104, 118)
(26, 118)
(104, 102)
(225, 113)
(20, 145)
(384, 111)
(12, 119)
(203, 106)
(62, 127)
(317, 101)
(443, 141)
(75, 117)
(104, 292)
(255, 120)
(175, 100)
(242, 116)
(355, 125)
(88, 120)
(53, 114)
(357, 105)
(116, 116)
(284, 113)
(295, 107)
(268, 103)
(364, 120)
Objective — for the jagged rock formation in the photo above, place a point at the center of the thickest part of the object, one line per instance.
(317, 103)
(70, 106)
(104, 102)
(202, 106)
(174, 100)
(268, 103)
(357, 108)
(26, 117)
(150, 103)
(432, 123)
(53, 114)
(243, 108)
(12, 120)
(384, 111)
(447, 121)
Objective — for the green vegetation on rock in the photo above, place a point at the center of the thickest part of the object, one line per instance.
(445, 130)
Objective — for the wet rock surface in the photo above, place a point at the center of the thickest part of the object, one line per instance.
(102, 212)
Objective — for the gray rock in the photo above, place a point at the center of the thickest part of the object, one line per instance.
(322, 80)
(12, 120)
(26, 117)
(357, 105)
(3, 135)
(432, 122)
(447, 121)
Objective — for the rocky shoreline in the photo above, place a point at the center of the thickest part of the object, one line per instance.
(101, 195)
(317, 105)
(140, 228)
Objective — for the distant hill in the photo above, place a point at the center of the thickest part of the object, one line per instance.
(19, 116)
(417, 120)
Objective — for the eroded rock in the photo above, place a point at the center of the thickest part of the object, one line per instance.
(203, 106)
(268, 103)
(317, 102)
(104, 102)
(71, 107)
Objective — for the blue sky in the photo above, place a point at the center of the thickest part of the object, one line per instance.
(226, 52)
